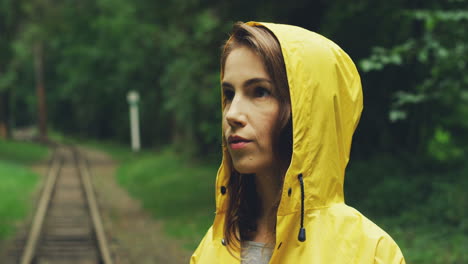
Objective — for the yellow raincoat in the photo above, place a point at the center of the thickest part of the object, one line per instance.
(326, 102)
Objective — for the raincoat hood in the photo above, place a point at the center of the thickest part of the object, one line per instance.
(326, 105)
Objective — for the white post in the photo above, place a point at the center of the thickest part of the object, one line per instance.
(133, 98)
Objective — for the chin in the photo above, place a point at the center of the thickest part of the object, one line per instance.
(245, 166)
(243, 170)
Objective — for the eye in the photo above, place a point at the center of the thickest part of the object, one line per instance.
(261, 92)
(228, 94)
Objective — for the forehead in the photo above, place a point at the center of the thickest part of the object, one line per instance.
(243, 64)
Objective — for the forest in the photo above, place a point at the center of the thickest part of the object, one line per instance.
(88, 54)
(68, 65)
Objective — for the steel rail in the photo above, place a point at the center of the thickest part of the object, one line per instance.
(94, 211)
(38, 220)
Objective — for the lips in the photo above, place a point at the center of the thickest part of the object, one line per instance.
(237, 142)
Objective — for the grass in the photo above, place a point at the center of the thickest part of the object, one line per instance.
(174, 190)
(17, 181)
(22, 152)
(431, 244)
(422, 207)
(118, 152)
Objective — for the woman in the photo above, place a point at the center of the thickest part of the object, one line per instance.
(291, 102)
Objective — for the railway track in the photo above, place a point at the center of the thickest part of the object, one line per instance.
(66, 228)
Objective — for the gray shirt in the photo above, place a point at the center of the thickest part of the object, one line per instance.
(256, 252)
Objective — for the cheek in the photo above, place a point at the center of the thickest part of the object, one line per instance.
(224, 124)
(271, 129)
(271, 119)
(223, 120)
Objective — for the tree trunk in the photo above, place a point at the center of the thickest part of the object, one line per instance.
(4, 107)
(40, 91)
(3, 115)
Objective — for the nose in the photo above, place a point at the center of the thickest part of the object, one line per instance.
(235, 113)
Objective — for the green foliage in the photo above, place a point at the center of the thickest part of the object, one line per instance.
(431, 244)
(449, 203)
(96, 51)
(437, 94)
(442, 148)
(102, 49)
(191, 82)
(382, 57)
(15, 190)
(7, 79)
(422, 206)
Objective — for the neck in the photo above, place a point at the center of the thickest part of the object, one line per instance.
(268, 185)
(268, 188)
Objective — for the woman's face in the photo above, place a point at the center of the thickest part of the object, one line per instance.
(250, 113)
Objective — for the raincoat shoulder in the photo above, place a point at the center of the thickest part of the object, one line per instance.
(204, 249)
(355, 240)
(211, 251)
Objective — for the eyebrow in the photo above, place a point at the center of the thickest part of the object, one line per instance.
(247, 83)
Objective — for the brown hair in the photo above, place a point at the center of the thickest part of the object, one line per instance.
(243, 201)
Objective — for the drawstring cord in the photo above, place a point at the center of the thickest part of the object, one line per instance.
(302, 232)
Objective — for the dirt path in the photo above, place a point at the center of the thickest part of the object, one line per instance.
(135, 236)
